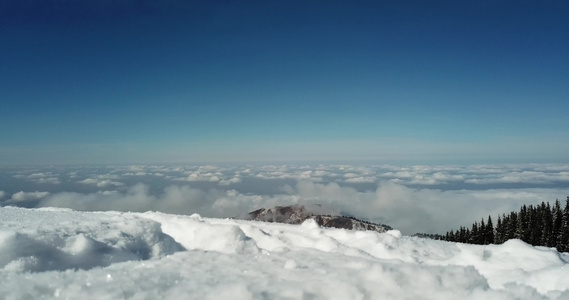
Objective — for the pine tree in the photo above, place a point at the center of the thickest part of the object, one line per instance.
(450, 236)
(521, 224)
(556, 226)
(467, 235)
(512, 227)
(547, 225)
(482, 233)
(506, 226)
(534, 226)
(563, 238)
(489, 231)
(474, 234)
(499, 229)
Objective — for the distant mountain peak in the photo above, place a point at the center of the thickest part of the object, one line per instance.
(296, 214)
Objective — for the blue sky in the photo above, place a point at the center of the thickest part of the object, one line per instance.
(186, 81)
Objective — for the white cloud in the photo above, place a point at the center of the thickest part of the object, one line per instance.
(205, 174)
(275, 175)
(135, 174)
(361, 179)
(475, 174)
(27, 196)
(100, 182)
(521, 177)
(174, 199)
(2, 193)
(234, 180)
(400, 174)
(420, 177)
(322, 173)
(289, 172)
(40, 177)
(136, 168)
(50, 180)
(550, 167)
(211, 177)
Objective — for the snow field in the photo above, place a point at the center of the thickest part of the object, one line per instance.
(63, 254)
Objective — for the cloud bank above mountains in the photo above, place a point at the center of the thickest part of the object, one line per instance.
(413, 199)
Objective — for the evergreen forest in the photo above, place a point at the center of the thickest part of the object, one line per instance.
(540, 225)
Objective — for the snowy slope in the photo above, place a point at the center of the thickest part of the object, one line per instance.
(63, 254)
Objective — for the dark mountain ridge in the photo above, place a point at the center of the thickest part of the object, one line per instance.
(296, 214)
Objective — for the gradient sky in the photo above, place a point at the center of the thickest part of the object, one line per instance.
(218, 81)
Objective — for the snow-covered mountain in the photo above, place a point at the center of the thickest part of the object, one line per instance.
(296, 214)
(63, 254)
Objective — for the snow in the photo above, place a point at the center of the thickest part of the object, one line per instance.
(53, 253)
(49, 239)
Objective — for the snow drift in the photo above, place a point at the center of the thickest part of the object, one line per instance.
(47, 239)
(57, 253)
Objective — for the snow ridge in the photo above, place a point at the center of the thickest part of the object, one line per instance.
(60, 254)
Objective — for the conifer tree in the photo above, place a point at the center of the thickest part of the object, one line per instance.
(450, 236)
(513, 225)
(547, 225)
(483, 233)
(533, 228)
(563, 239)
(521, 223)
(506, 226)
(474, 234)
(556, 224)
(466, 235)
(499, 229)
(489, 231)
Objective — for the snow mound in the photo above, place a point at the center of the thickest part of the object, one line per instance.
(58, 239)
(310, 224)
(196, 234)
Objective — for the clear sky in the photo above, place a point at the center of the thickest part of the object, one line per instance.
(206, 81)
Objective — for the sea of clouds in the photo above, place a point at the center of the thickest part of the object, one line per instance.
(420, 198)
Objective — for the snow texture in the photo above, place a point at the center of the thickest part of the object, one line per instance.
(63, 254)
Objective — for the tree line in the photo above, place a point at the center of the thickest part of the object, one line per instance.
(540, 225)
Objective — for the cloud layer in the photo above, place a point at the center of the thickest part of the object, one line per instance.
(408, 209)
(430, 199)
